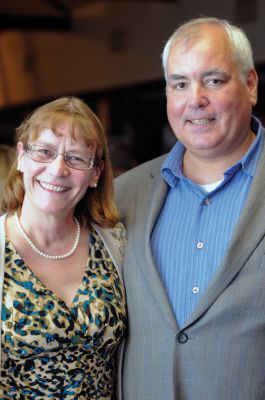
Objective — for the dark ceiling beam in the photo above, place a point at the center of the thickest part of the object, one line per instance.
(26, 22)
(59, 6)
(136, 1)
(141, 1)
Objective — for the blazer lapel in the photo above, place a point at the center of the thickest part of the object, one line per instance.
(249, 231)
(147, 214)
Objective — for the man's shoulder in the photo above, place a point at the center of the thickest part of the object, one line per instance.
(142, 171)
(130, 187)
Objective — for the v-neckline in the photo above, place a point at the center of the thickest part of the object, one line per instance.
(39, 282)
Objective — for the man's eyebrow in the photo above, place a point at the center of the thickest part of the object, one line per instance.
(215, 71)
(211, 72)
(175, 77)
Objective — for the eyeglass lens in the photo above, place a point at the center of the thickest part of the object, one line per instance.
(46, 155)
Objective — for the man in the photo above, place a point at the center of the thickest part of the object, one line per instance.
(195, 266)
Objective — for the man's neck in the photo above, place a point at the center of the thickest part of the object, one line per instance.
(203, 170)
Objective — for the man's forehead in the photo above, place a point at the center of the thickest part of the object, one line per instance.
(193, 35)
(187, 38)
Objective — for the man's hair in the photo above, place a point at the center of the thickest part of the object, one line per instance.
(97, 204)
(243, 56)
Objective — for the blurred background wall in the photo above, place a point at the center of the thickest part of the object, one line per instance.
(108, 53)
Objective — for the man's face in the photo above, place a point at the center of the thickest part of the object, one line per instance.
(208, 104)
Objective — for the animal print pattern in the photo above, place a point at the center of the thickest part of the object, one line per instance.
(52, 351)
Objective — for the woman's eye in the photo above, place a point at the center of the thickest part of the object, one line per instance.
(74, 157)
(45, 152)
(77, 158)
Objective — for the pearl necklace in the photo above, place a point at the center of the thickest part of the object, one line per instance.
(41, 253)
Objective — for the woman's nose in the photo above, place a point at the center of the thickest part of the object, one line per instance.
(58, 166)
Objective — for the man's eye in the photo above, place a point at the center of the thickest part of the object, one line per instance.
(177, 83)
(215, 81)
(180, 85)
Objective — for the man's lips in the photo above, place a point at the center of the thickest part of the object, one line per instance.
(200, 121)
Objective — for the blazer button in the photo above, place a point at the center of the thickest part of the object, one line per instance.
(182, 337)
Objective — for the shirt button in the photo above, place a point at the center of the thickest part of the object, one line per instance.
(195, 290)
(199, 245)
(207, 201)
(182, 338)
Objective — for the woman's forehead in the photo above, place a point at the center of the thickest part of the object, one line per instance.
(56, 137)
(78, 131)
(65, 129)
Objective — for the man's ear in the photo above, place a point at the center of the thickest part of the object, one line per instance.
(252, 84)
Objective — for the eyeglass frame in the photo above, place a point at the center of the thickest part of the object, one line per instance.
(91, 159)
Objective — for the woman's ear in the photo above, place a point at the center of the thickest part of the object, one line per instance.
(18, 165)
(21, 151)
(96, 175)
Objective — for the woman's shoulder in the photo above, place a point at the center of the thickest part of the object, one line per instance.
(114, 240)
(117, 234)
(118, 231)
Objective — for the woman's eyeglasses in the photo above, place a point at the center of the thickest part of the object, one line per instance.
(44, 154)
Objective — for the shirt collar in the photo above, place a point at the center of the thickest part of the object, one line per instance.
(249, 161)
(172, 166)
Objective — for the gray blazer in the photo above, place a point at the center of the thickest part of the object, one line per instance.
(220, 352)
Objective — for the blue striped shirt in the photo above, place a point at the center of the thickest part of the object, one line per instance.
(194, 227)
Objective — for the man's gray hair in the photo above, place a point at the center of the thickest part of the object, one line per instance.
(243, 56)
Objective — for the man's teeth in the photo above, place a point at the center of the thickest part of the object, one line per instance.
(52, 187)
(201, 121)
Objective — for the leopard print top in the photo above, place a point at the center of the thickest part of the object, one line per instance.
(59, 352)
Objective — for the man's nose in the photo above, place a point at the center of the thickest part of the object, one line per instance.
(198, 97)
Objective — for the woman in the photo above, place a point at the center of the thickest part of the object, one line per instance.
(63, 302)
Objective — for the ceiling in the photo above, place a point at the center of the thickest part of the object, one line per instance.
(49, 14)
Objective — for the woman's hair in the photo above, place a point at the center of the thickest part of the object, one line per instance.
(7, 156)
(97, 205)
(243, 56)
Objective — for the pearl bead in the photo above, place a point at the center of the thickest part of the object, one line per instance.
(41, 253)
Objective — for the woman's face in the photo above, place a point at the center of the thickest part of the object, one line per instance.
(55, 187)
